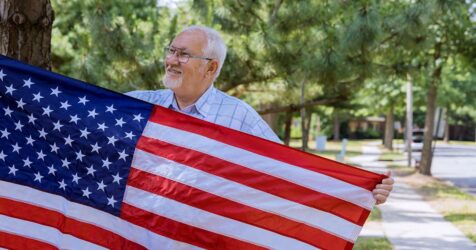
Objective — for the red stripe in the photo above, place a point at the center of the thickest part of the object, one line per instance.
(13, 241)
(234, 210)
(180, 231)
(66, 225)
(257, 180)
(356, 176)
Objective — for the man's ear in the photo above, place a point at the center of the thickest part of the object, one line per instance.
(212, 68)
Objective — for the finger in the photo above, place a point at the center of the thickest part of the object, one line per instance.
(384, 186)
(380, 198)
(384, 192)
(388, 173)
(388, 181)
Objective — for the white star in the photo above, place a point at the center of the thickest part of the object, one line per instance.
(74, 118)
(54, 148)
(120, 122)
(101, 185)
(2, 74)
(38, 177)
(65, 105)
(112, 140)
(79, 155)
(110, 109)
(65, 163)
(117, 178)
(20, 104)
(43, 133)
(27, 162)
(41, 155)
(2, 156)
(86, 192)
(5, 133)
(76, 178)
(106, 163)
(57, 126)
(138, 117)
(13, 170)
(16, 148)
(111, 201)
(28, 83)
(92, 113)
(68, 141)
(123, 155)
(130, 135)
(29, 140)
(91, 170)
(85, 133)
(102, 126)
(95, 148)
(62, 184)
(31, 119)
(18, 126)
(8, 111)
(51, 170)
(37, 97)
(83, 100)
(55, 91)
(47, 111)
(10, 89)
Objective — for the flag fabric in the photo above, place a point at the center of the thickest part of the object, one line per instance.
(82, 167)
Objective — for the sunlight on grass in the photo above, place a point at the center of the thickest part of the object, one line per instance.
(372, 244)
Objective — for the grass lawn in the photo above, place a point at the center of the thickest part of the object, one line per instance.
(364, 243)
(456, 206)
(389, 155)
(354, 148)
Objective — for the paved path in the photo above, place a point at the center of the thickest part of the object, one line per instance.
(408, 221)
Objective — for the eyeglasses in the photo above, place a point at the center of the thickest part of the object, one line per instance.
(181, 55)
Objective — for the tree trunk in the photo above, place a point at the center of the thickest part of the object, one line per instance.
(389, 130)
(336, 126)
(287, 128)
(305, 133)
(25, 31)
(303, 118)
(427, 154)
(447, 127)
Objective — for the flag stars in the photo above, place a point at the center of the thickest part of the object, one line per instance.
(43, 133)
(62, 184)
(86, 192)
(112, 140)
(85, 133)
(116, 178)
(74, 118)
(47, 111)
(31, 119)
(95, 148)
(83, 100)
(2, 75)
(120, 122)
(57, 126)
(20, 104)
(38, 177)
(92, 113)
(111, 201)
(54, 148)
(76, 178)
(5, 133)
(51, 170)
(129, 135)
(79, 156)
(18, 126)
(16, 148)
(41, 155)
(29, 140)
(55, 92)
(10, 89)
(65, 163)
(65, 105)
(102, 126)
(138, 117)
(106, 163)
(91, 171)
(2, 156)
(12, 170)
(68, 141)
(110, 109)
(101, 185)
(28, 83)
(8, 111)
(27, 162)
(37, 97)
(123, 155)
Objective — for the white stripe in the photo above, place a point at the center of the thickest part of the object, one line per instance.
(300, 176)
(90, 215)
(205, 220)
(43, 233)
(245, 195)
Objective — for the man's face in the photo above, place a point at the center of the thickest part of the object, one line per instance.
(190, 78)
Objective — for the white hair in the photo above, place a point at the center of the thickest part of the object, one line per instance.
(215, 48)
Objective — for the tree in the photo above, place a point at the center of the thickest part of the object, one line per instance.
(25, 31)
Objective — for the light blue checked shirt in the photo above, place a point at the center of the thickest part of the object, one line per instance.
(214, 106)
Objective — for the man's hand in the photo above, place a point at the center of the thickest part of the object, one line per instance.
(382, 190)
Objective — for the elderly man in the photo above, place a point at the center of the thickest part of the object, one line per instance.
(193, 61)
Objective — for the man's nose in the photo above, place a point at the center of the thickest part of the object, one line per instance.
(172, 59)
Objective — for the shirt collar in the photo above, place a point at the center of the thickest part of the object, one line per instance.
(202, 105)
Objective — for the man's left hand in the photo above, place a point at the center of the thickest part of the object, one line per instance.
(382, 190)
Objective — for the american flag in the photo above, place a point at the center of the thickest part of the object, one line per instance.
(82, 167)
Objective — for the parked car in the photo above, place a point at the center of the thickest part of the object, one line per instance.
(417, 139)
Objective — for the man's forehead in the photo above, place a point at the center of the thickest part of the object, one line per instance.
(188, 41)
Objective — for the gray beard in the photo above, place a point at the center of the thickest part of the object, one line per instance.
(172, 84)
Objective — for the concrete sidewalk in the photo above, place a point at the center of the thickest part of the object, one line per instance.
(408, 221)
